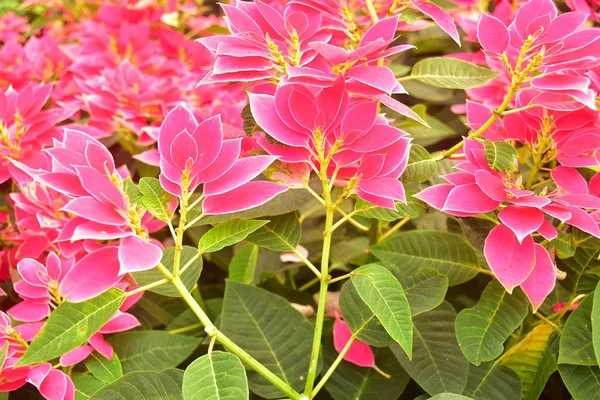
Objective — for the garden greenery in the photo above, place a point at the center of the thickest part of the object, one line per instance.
(272, 199)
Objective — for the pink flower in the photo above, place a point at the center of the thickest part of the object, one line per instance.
(192, 154)
(12, 26)
(52, 383)
(510, 250)
(359, 143)
(25, 127)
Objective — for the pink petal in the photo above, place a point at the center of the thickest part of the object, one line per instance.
(557, 211)
(561, 82)
(243, 171)
(230, 152)
(523, 221)
(183, 151)
(491, 185)
(209, 136)
(136, 254)
(29, 311)
(57, 386)
(388, 188)
(541, 280)
(359, 353)
(510, 260)
(93, 210)
(547, 230)
(249, 195)
(469, 199)
(383, 29)
(583, 221)
(263, 111)
(75, 356)
(581, 200)
(92, 275)
(445, 21)
(119, 323)
(150, 157)
(31, 270)
(101, 346)
(435, 196)
(531, 201)
(569, 180)
(492, 34)
(176, 121)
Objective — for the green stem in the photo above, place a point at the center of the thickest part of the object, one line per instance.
(183, 209)
(333, 367)
(327, 233)
(147, 287)
(340, 278)
(495, 115)
(187, 328)
(393, 229)
(213, 332)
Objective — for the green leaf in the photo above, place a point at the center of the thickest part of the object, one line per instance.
(216, 376)
(576, 340)
(85, 386)
(578, 279)
(532, 362)
(447, 253)
(156, 199)
(482, 330)
(189, 277)
(132, 191)
(450, 396)
(361, 320)
(421, 165)
(383, 294)
(349, 251)
(437, 130)
(104, 369)
(493, 382)
(563, 245)
(227, 233)
(152, 350)
(250, 126)
(281, 234)
(412, 209)
(351, 382)
(144, 385)
(500, 156)
(422, 91)
(596, 323)
(272, 331)
(71, 325)
(243, 264)
(437, 365)
(424, 291)
(3, 353)
(583, 382)
(451, 73)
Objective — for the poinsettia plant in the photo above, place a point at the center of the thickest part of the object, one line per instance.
(299, 199)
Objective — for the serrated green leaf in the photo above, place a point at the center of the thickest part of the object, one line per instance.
(437, 366)
(383, 294)
(71, 325)
(532, 362)
(104, 369)
(189, 277)
(482, 330)
(272, 331)
(451, 73)
(493, 382)
(156, 199)
(421, 165)
(424, 291)
(576, 340)
(228, 233)
(281, 234)
(500, 156)
(361, 320)
(447, 253)
(215, 376)
(152, 350)
(583, 382)
(144, 385)
(243, 264)
(351, 382)
(86, 386)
